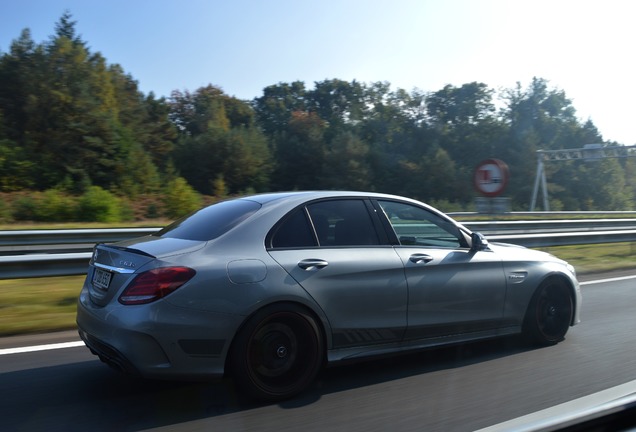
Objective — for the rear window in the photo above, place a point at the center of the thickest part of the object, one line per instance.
(211, 222)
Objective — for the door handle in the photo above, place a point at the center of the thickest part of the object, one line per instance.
(312, 264)
(420, 258)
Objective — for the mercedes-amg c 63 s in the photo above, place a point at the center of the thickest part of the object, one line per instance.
(272, 287)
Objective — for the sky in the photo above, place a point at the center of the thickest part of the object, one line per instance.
(584, 48)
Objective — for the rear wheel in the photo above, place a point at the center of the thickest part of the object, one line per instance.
(549, 314)
(277, 353)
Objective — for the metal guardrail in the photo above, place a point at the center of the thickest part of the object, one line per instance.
(48, 240)
(548, 226)
(538, 240)
(67, 252)
(41, 265)
(40, 253)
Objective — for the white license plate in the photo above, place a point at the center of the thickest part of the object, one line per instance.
(101, 278)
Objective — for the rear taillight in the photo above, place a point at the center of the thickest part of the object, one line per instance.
(155, 284)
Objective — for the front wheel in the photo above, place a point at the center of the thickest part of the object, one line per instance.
(277, 353)
(549, 314)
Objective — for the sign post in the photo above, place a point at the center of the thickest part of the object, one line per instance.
(490, 180)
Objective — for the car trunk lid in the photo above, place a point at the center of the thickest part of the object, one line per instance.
(113, 266)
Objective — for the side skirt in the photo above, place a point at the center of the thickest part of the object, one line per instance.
(362, 352)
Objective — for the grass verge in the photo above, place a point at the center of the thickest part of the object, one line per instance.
(40, 305)
(597, 258)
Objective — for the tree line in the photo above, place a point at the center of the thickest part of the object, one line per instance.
(71, 122)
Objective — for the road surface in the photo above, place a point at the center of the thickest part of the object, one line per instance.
(453, 389)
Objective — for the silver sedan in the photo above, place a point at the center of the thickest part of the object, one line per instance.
(272, 287)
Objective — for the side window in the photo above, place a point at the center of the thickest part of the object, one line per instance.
(343, 223)
(294, 231)
(417, 226)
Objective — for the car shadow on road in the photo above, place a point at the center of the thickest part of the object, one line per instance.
(90, 396)
(375, 371)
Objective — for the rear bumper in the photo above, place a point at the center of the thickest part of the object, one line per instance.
(108, 354)
(157, 340)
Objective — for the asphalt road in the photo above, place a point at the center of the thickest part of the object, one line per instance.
(453, 389)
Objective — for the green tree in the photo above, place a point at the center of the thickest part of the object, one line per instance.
(543, 118)
(140, 176)
(274, 109)
(465, 123)
(605, 188)
(159, 134)
(300, 152)
(76, 118)
(199, 112)
(392, 129)
(346, 164)
(339, 103)
(18, 89)
(218, 137)
(248, 164)
(15, 167)
(630, 180)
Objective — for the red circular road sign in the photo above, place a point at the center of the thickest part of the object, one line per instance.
(491, 177)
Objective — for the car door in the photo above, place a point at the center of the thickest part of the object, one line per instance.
(335, 251)
(452, 289)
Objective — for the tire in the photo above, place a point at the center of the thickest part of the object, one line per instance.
(277, 353)
(549, 314)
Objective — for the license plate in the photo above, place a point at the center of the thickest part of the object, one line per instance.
(101, 278)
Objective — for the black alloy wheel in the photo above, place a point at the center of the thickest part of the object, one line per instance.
(549, 314)
(278, 353)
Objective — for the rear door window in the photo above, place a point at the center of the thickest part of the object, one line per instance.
(343, 223)
(294, 232)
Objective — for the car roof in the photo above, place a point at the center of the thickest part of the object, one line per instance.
(294, 198)
(309, 195)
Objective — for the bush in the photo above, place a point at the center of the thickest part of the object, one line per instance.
(126, 210)
(24, 208)
(5, 212)
(55, 206)
(49, 206)
(152, 211)
(180, 199)
(446, 206)
(144, 207)
(99, 205)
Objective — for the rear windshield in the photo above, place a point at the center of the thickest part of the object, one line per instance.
(211, 222)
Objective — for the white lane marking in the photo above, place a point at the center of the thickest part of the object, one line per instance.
(574, 412)
(80, 343)
(47, 347)
(617, 279)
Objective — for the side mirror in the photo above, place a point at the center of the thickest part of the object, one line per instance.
(479, 242)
